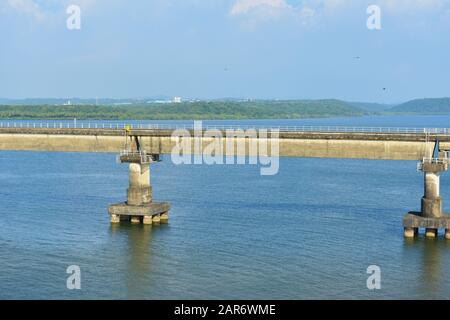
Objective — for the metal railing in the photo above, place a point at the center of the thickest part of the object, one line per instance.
(436, 160)
(152, 126)
(142, 156)
(442, 161)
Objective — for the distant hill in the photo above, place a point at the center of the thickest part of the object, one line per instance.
(255, 109)
(423, 106)
(371, 107)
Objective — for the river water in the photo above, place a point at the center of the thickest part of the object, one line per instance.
(309, 232)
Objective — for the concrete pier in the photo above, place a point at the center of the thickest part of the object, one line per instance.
(115, 218)
(135, 220)
(164, 217)
(139, 190)
(431, 216)
(139, 205)
(447, 234)
(147, 220)
(432, 202)
(156, 219)
(431, 233)
(410, 232)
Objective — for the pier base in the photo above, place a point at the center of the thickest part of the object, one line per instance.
(164, 217)
(147, 220)
(415, 220)
(135, 220)
(431, 233)
(115, 218)
(410, 232)
(156, 219)
(149, 213)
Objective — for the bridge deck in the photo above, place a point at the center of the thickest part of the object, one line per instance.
(327, 142)
(385, 136)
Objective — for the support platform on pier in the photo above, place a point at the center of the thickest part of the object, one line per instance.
(123, 211)
(414, 220)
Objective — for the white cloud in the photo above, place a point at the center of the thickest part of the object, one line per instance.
(28, 7)
(397, 6)
(246, 6)
(312, 11)
(42, 9)
(392, 6)
(305, 8)
(255, 11)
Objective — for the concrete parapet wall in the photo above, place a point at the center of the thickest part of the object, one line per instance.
(320, 145)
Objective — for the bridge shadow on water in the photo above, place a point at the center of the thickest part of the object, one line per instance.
(431, 256)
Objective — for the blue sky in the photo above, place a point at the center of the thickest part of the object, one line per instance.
(226, 48)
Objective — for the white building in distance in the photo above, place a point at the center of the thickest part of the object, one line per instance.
(176, 100)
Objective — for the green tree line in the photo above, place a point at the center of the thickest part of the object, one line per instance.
(295, 109)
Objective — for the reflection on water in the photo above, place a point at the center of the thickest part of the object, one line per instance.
(433, 269)
(138, 255)
(433, 263)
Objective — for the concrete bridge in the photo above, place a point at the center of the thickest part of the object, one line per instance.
(376, 143)
(139, 145)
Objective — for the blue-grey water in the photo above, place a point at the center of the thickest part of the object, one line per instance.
(308, 232)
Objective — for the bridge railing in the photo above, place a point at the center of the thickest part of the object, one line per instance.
(133, 156)
(436, 160)
(155, 126)
(443, 161)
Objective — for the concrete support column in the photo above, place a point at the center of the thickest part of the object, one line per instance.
(164, 217)
(431, 202)
(432, 183)
(139, 175)
(139, 190)
(115, 218)
(410, 232)
(447, 234)
(147, 220)
(135, 219)
(156, 219)
(431, 233)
